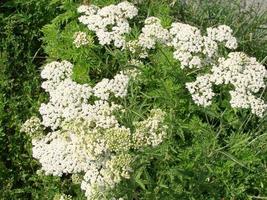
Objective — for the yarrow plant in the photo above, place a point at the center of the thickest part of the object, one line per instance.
(81, 132)
(86, 137)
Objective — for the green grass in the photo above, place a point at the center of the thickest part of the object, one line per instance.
(213, 153)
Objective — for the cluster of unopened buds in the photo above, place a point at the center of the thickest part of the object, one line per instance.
(80, 39)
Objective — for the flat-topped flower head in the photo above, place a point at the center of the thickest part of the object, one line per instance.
(243, 72)
(110, 23)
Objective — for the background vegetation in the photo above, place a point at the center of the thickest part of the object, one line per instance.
(213, 153)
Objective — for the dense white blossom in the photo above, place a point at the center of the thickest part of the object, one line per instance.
(118, 139)
(100, 113)
(201, 90)
(118, 86)
(110, 23)
(86, 136)
(88, 10)
(187, 41)
(69, 100)
(60, 153)
(223, 33)
(189, 44)
(65, 103)
(243, 72)
(54, 73)
(152, 33)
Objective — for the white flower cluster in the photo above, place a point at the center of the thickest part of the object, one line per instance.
(101, 153)
(190, 45)
(243, 72)
(201, 90)
(118, 86)
(151, 131)
(108, 149)
(100, 113)
(54, 73)
(152, 33)
(69, 100)
(65, 103)
(87, 138)
(80, 39)
(60, 153)
(109, 23)
(224, 34)
(187, 41)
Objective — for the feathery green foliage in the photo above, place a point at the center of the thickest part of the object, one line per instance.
(211, 153)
